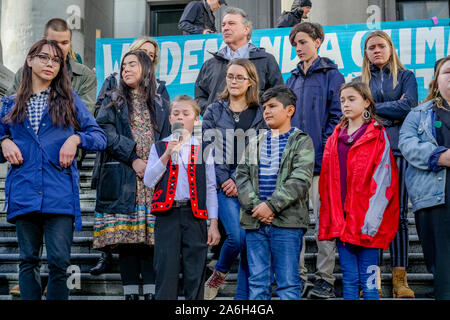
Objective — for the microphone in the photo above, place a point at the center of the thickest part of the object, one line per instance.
(177, 131)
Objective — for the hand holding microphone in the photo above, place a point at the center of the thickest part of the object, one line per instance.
(173, 147)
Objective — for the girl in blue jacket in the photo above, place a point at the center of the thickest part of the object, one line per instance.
(394, 90)
(40, 130)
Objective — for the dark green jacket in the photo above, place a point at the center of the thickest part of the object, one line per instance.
(83, 80)
(289, 202)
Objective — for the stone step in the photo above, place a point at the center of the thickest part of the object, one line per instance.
(9, 262)
(110, 285)
(10, 245)
(82, 244)
(9, 230)
(87, 214)
(86, 197)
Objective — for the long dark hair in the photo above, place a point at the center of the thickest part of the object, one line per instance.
(60, 100)
(364, 91)
(146, 86)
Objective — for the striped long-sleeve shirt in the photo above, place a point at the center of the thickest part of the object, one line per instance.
(270, 161)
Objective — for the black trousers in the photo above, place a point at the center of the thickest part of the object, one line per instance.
(399, 247)
(180, 238)
(433, 228)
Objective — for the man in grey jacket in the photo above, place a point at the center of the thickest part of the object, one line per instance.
(237, 31)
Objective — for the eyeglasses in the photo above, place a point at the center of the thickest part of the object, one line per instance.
(44, 59)
(238, 78)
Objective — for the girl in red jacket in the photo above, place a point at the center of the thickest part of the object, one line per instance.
(358, 189)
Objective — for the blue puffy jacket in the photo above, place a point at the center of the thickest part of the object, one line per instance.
(40, 184)
(391, 107)
(318, 105)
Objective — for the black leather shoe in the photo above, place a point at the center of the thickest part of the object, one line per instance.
(132, 297)
(103, 264)
(149, 296)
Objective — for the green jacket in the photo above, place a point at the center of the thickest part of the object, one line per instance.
(83, 80)
(289, 202)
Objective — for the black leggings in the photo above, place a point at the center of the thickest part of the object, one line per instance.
(399, 247)
(433, 228)
(136, 260)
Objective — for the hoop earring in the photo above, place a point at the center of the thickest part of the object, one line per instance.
(366, 114)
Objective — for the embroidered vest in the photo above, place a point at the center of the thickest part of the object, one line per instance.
(164, 193)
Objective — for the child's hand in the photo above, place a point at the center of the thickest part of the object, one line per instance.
(173, 146)
(263, 213)
(213, 233)
(139, 166)
(229, 188)
(269, 220)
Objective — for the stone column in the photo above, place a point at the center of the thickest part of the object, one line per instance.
(23, 21)
(17, 32)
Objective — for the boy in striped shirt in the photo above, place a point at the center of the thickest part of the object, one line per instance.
(273, 188)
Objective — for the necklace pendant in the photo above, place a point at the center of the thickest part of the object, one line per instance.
(236, 119)
(350, 140)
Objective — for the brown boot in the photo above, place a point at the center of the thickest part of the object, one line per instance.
(400, 288)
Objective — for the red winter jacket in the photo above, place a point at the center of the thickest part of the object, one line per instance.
(372, 201)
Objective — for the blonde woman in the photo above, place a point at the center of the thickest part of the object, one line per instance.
(394, 90)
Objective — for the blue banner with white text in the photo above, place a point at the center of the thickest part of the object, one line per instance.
(419, 44)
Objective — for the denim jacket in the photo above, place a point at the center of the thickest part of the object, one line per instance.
(424, 180)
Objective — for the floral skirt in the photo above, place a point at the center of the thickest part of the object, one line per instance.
(112, 229)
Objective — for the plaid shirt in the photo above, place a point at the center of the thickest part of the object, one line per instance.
(36, 106)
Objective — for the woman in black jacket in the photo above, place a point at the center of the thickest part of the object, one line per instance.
(133, 118)
(233, 116)
(151, 48)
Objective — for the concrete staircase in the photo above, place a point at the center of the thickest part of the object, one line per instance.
(109, 287)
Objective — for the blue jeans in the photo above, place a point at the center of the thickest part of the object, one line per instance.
(358, 265)
(229, 209)
(278, 249)
(58, 232)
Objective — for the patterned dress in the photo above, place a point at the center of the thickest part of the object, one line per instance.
(135, 228)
